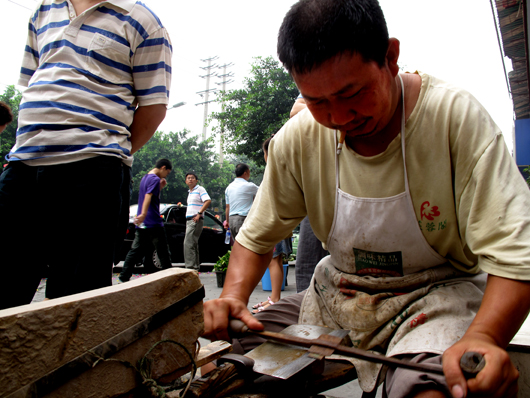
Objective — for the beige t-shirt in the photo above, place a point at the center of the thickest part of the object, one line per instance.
(470, 200)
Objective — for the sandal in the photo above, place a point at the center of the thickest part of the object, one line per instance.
(260, 306)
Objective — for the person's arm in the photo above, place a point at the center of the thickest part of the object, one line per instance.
(145, 122)
(205, 205)
(227, 209)
(503, 310)
(245, 270)
(163, 183)
(145, 207)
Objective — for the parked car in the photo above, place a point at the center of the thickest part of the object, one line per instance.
(211, 243)
(133, 210)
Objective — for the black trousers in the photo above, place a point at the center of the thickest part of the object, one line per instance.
(60, 220)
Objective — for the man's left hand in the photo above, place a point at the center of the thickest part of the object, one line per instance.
(163, 183)
(498, 379)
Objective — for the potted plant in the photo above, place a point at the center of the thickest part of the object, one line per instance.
(220, 268)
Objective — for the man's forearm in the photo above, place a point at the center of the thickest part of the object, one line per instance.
(146, 121)
(146, 203)
(205, 205)
(503, 310)
(245, 270)
(227, 209)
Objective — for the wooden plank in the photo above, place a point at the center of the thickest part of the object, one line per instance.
(38, 338)
(212, 351)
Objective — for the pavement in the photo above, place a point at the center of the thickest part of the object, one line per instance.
(212, 291)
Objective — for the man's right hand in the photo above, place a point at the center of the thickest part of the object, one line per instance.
(217, 314)
(139, 219)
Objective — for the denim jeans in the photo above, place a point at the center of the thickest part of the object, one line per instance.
(60, 220)
(143, 240)
(191, 244)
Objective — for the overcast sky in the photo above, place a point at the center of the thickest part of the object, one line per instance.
(454, 40)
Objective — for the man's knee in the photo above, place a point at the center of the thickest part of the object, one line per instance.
(405, 383)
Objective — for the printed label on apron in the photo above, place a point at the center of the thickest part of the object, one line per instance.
(378, 263)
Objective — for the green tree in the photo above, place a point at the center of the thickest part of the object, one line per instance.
(252, 114)
(186, 154)
(12, 97)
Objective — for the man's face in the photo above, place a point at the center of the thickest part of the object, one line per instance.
(191, 181)
(164, 172)
(348, 94)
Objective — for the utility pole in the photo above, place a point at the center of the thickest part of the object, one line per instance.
(206, 92)
(223, 84)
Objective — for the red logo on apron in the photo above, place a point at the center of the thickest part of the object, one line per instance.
(419, 320)
(429, 212)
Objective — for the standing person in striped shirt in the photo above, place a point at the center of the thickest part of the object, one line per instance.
(98, 75)
(198, 202)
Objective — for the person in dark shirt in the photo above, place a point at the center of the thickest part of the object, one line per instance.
(149, 225)
(6, 116)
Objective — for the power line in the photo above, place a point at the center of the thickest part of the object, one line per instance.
(18, 4)
(208, 90)
(226, 79)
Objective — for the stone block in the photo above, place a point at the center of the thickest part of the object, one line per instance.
(36, 339)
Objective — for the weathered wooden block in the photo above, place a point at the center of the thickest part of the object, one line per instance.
(38, 338)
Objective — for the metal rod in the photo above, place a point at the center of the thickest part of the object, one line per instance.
(349, 351)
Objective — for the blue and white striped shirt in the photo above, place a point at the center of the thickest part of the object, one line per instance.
(196, 198)
(86, 75)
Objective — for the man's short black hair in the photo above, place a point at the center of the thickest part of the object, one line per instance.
(163, 162)
(241, 168)
(191, 173)
(314, 31)
(6, 115)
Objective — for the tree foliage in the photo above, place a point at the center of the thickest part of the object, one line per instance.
(252, 114)
(186, 154)
(12, 97)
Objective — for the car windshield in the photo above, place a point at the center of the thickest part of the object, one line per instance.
(163, 206)
(133, 209)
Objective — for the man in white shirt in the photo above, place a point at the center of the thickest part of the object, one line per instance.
(239, 196)
(198, 202)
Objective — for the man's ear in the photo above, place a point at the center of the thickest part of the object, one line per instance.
(392, 56)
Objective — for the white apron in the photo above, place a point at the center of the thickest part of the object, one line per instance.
(385, 283)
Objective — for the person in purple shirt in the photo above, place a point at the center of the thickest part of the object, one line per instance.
(149, 225)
